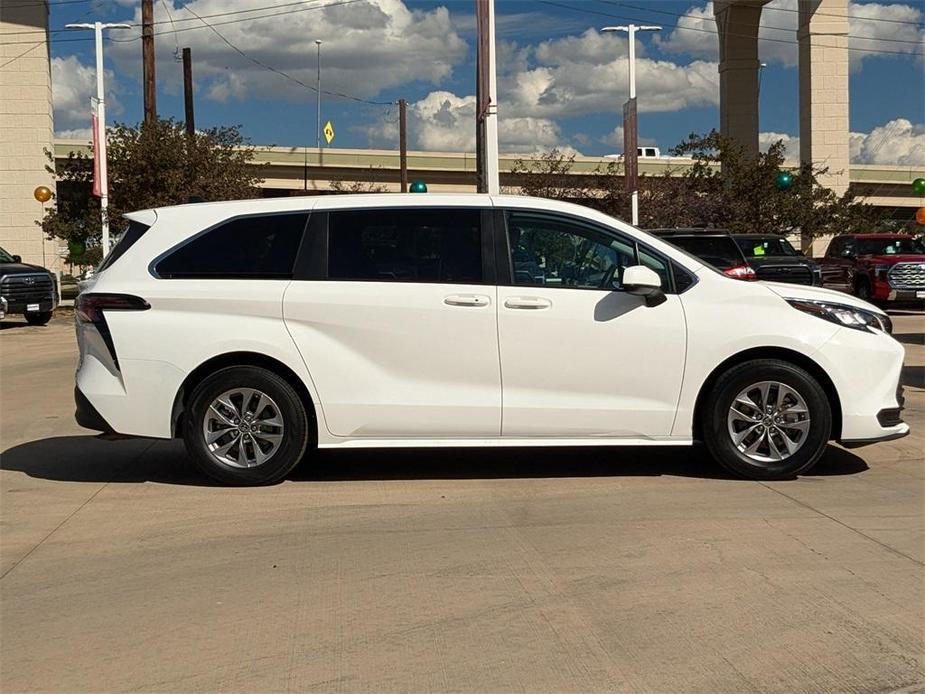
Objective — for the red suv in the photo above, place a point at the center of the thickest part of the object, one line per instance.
(876, 267)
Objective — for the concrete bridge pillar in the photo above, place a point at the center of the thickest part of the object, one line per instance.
(823, 38)
(737, 22)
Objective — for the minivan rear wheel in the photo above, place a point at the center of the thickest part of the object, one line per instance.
(245, 425)
(767, 419)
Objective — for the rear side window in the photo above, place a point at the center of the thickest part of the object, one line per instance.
(257, 247)
(134, 232)
(400, 245)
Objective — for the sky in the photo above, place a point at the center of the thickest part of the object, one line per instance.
(561, 82)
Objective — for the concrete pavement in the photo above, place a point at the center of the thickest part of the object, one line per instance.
(535, 570)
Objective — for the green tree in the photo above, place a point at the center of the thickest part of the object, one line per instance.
(150, 165)
(726, 187)
(722, 187)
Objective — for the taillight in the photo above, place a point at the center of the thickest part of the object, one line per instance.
(89, 307)
(741, 272)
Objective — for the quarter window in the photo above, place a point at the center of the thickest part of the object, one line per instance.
(552, 252)
(402, 245)
(257, 247)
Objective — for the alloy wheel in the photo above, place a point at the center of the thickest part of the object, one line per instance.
(243, 428)
(768, 421)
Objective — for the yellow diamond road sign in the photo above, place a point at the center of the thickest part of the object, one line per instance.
(328, 132)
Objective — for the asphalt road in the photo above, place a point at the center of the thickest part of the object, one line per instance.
(633, 570)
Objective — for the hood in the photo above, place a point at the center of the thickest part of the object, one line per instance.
(894, 259)
(799, 291)
(20, 269)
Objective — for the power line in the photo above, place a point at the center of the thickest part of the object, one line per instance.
(171, 21)
(280, 72)
(708, 31)
(762, 26)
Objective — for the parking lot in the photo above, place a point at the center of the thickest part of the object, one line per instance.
(567, 570)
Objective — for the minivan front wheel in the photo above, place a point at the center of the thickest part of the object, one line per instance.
(767, 419)
(245, 425)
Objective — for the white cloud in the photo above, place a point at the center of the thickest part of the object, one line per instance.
(777, 35)
(445, 122)
(897, 142)
(368, 46)
(72, 85)
(791, 144)
(615, 138)
(85, 134)
(584, 74)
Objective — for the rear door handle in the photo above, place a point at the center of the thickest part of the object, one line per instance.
(527, 302)
(467, 300)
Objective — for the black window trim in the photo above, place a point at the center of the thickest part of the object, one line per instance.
(505, 261)
(152, 266)
(317, 240)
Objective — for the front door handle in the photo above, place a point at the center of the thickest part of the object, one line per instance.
(466, 300)
(534, 303)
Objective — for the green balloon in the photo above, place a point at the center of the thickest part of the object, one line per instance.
(76, 248)
(418, 187)
(918, 185)
(784, 180)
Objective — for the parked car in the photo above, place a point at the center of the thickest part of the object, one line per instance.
(876, 267)
(26, 289)
(714, 247)
(773, 258)
(260, 330)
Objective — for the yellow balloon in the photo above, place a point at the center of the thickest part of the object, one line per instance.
(42, 193)
(920, 216)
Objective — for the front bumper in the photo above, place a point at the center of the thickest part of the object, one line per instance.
(865, 369)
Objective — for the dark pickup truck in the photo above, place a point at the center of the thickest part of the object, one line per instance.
(876, 267)
(27, 289)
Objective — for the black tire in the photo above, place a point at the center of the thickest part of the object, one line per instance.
(715, 425)
(862, 290)
(291, 410)
(37, 317)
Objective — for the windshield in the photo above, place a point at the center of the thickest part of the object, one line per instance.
(890, 246)
(718, 251)
(5, 257)
(764, 247)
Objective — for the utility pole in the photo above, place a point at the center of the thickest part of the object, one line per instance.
(99, 135)
(630, 126)
(487, 99)
(147, 60)
(188, 92)
(403, 143)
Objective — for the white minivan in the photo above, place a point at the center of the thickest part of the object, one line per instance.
(261, 329)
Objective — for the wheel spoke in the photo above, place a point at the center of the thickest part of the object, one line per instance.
(753, 446)
(742, 435)
(223, 450)
(791, 445)
(775, 452)
(213, 436)
(765, 390)
(224, 419)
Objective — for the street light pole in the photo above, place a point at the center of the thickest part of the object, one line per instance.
(97, 28)
(318, 94)
(631, 30)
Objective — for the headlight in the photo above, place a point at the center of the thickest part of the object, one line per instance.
(881, 272)
(848, 316)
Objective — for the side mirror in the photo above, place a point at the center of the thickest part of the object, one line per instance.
(847, 253)
(17, 258)
(642, 281)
